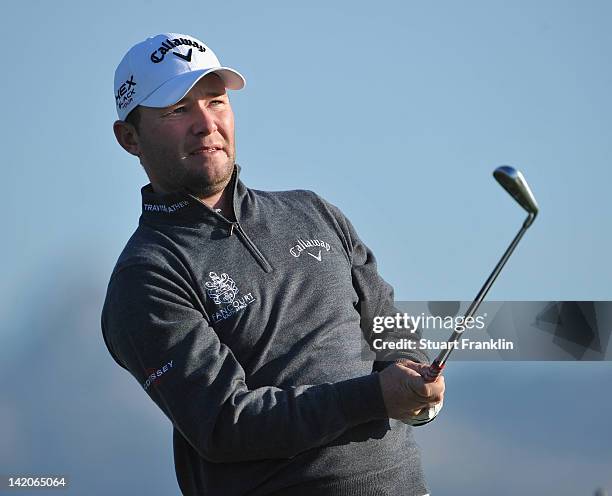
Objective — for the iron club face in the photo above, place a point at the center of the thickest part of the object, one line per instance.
(514, 183)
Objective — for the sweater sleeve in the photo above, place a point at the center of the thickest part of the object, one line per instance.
(375, 296)
(152, 328)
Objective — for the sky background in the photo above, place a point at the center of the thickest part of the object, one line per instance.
(397, 112)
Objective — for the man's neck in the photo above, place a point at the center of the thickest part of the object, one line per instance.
(221, 201)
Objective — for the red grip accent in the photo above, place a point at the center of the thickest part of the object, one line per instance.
(434, 371)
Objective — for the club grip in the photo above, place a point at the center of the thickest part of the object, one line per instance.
(435, 370)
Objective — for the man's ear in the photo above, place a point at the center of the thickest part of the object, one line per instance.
(127, 137)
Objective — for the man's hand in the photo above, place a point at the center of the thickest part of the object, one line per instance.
(405, 392)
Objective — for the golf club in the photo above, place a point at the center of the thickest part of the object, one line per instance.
(514, 183)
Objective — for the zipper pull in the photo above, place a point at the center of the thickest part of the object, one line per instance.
(231, 229)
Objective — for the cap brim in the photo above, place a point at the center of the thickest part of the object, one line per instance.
(176, 88)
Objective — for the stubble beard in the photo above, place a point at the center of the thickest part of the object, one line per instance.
(202, 184)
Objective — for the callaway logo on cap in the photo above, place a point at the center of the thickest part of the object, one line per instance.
(160, 71)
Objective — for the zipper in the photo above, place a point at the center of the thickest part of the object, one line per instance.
(236, 227)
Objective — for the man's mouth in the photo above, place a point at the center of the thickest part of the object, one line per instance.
(206, 150)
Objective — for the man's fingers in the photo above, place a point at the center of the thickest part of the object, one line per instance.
(422, 369)
(430, 392)
(404, 390)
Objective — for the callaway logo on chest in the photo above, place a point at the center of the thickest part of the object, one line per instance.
(313, 247)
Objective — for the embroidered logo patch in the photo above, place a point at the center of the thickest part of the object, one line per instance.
(222, 290)
(314, 248)
(125, 93)
(153, 375)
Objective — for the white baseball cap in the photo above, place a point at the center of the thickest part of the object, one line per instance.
(160, 71)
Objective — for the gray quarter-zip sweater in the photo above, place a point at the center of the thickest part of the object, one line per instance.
(248, 336)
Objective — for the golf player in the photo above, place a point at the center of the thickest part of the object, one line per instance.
(241, 312)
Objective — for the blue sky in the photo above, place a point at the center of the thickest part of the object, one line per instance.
(397, 112)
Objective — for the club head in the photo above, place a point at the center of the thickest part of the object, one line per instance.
(514, 183)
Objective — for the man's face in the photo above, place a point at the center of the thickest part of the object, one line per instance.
(190, 145)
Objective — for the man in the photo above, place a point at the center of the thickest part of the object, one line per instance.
(240, 311)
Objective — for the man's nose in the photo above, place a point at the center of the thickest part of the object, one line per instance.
(204, 120)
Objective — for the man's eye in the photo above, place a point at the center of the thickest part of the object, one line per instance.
(175, 111)
(217, 102)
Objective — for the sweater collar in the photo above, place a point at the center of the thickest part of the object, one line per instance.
(181, 207)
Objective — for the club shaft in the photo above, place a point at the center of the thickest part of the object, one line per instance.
(444, 354)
